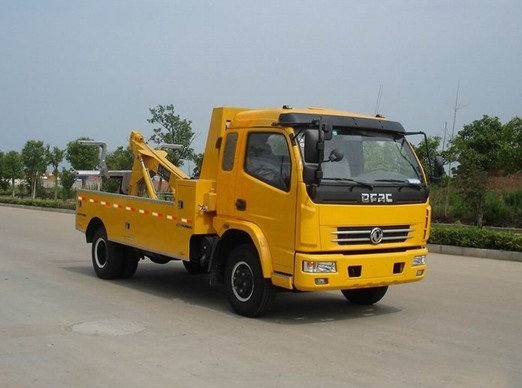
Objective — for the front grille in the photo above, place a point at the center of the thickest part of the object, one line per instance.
(346, 235)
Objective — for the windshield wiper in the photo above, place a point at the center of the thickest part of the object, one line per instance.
(408, 183)
(350, 180)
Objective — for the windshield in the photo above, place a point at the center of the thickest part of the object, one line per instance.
(370, 157)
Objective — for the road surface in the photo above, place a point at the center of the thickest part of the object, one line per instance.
(60, 326)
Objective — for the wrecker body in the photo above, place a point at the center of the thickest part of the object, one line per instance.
(287, 199)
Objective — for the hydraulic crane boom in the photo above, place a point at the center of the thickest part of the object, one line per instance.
(149, 161)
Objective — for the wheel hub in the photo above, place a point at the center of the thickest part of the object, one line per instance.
(242, 281)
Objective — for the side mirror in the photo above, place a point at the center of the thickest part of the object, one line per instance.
(311, 139)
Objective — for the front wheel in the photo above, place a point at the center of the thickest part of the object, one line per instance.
(365, 296)
(249, 293)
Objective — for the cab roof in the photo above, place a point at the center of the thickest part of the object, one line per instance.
(304, 117)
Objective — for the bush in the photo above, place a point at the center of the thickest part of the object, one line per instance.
(457, 208)
(496, 211)
(514, 200)
(474, 237)
(45, 203)
(502, 208)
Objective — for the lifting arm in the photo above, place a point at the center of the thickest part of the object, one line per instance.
(148, 160)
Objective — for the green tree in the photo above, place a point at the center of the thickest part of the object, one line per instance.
(82, 157)
(511, 148)
(433, 144)
(34, 160)
(13, 168)
(68, 178)
(198, 160)
(477, 148)
(55, 158)
(172, 130)
(120, 159)
(3, 185)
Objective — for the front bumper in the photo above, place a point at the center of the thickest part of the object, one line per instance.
(359, 270)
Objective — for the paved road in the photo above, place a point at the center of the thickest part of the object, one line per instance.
(60, 326)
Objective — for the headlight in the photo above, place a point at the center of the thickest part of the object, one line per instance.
(319, 266)
(419, 260)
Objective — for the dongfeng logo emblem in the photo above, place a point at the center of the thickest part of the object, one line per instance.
(376, 235)
(376, 197)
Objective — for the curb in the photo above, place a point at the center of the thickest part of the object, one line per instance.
(476, 252)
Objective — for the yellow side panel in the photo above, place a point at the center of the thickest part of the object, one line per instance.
(152, 225)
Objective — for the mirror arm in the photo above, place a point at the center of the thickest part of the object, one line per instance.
(428, 156)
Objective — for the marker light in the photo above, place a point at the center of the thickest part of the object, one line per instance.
(419, 260)
(319, 266)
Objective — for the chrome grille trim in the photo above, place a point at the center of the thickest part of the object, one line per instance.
(361, 235)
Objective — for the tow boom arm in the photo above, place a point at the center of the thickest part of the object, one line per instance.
(148, 160)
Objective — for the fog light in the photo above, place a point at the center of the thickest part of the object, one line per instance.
(319, 266)
(321, 281)
(420, 272)
(419, 260)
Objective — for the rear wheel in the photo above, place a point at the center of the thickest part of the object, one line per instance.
(365, 296)
(249, 293)
(130, 263)
(107, 256)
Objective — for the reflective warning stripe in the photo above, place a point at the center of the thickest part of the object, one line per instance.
(169, 217)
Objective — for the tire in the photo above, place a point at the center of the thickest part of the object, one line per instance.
(107, 257)
(193, 267)
(130, 263)
(365, 296)
(249, 293)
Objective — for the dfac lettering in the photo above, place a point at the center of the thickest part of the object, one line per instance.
(376, 197)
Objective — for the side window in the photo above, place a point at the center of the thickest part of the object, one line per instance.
(228, 154)
(268, 159)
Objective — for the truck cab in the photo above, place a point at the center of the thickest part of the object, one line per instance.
(328, 200)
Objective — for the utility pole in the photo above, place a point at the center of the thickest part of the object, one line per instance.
(455, 109)
(378, 102)
(444, 139)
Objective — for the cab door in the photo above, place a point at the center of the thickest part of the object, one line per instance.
(265, 192)
(226, 175)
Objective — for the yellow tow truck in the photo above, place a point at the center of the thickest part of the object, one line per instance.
(287, 199)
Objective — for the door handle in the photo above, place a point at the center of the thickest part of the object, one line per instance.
(240, 204)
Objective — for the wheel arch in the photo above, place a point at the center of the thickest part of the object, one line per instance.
(235, 236)
(94, 225)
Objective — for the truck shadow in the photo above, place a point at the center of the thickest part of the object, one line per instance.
(313, 307)
(171, 281)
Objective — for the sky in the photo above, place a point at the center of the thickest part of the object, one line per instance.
(93, 68)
